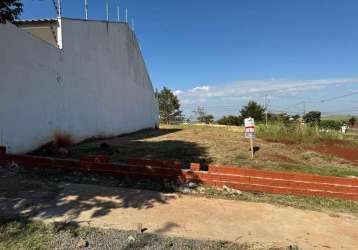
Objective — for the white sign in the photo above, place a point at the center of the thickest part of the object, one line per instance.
(250, 128)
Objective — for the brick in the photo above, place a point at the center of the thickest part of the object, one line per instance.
(282, 175)
(96, 158)
(231, 178)
(195, 166)
(226, 170)
(238, 178)
(2, 150)
(155, 163)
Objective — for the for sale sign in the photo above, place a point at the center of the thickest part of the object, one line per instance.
(250, 128)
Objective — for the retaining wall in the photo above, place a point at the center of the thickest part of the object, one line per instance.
(239, 178)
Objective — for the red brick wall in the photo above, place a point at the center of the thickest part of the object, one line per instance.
(239, 178)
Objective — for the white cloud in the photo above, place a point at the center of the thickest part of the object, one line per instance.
(241, 89)
(239, 92)
(199, 89)
(178, 92)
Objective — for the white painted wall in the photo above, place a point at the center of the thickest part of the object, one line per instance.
(97, 85)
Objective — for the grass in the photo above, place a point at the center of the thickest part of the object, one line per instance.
(318, 170)
(296, 133)
(337, 117)
(328, 205)
(226, 146)
(21, 234)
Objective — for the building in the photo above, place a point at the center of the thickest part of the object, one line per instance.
(79, 77)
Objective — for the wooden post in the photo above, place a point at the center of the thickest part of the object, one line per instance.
(252, 148)
(139, 228)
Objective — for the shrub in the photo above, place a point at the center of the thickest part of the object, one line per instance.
(331, 124)
(62, 139)
(231, 120)
(312, 118)
(352, 121)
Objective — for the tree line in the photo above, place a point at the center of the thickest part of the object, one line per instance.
(169, 110)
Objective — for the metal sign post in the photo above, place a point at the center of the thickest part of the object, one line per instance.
(250, 133)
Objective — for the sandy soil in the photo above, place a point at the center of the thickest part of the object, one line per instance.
(171, 214)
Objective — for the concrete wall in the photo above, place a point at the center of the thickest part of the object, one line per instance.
(97, 85)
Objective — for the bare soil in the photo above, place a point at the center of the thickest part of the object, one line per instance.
(220, 145)
(338, 149)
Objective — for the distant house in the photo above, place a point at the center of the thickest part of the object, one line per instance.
(78, 77)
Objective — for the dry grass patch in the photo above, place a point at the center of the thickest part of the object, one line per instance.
(215, 145)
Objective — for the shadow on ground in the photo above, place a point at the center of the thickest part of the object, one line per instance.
(24, 196)
(142, 145)
(47, 194)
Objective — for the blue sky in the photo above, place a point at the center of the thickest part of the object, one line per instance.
(220, 54)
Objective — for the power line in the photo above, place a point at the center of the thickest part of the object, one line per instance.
(338, 97)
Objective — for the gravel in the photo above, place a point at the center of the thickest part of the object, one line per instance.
(118, 239)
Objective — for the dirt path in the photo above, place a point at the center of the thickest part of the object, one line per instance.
(199, 218)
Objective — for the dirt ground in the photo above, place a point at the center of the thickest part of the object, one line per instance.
(217, 145)
(338, 149)
(177, 215)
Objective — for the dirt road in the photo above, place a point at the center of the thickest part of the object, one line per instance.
(170, 214)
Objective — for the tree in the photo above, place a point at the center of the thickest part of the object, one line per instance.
(352, 121)
(230, 120)
(312, 117)
(168, 105)
(10, 10)
(295, 117)
(253, 110)
(284, 117)
(202, 116)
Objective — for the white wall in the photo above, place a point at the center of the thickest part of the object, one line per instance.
(97, 85)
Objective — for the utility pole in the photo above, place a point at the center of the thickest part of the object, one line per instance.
(266, 111)
(107, 11)
(118, 19)
(59, 9)
(126, 15)
(86, 9)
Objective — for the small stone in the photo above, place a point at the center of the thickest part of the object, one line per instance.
(21, 204)
(201, 189)
(15, 168)
(238, 192)
(82, 243)
(192, 185)
(131, 239)
(186, 190)
(225, 188)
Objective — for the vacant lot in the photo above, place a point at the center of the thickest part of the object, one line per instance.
(221, 145)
